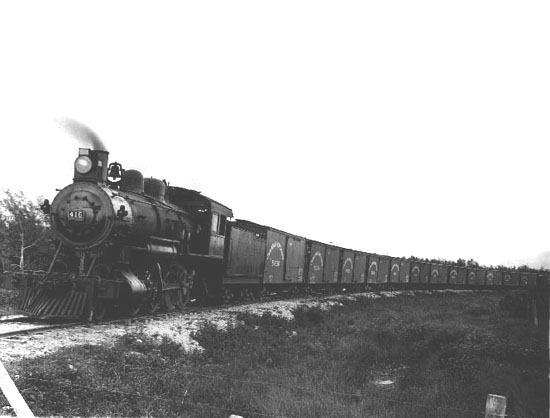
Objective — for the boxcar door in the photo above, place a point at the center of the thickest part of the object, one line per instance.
(295, 258)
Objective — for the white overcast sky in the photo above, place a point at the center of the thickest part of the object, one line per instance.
(397, 127)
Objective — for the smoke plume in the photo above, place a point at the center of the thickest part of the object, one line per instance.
(537, 261)
(83, 134)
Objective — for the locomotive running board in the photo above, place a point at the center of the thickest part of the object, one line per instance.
(205, 256)
(38, 303)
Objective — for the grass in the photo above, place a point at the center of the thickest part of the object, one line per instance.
(444, 354)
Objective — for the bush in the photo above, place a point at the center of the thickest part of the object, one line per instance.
(515, 303)
(308, 317)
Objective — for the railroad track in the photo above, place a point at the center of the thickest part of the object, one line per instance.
(27, 325)
(20, 325)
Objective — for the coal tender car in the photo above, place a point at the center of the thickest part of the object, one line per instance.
(128, 243)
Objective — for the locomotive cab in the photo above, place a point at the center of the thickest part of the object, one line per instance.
(208, 238)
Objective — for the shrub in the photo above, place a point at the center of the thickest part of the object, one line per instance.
(308, 317)
(515, 303)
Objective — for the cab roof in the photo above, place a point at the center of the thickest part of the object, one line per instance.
(193, 200)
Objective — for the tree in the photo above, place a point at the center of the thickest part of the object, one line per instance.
(472, 263)
(461, 262)
(22, 231)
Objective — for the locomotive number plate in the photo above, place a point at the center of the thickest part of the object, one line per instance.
(76, 215)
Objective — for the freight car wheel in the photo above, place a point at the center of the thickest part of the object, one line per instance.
(294, 291)
(228, 296)
(264, 292)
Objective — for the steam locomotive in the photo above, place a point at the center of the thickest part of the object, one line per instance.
(129, 243)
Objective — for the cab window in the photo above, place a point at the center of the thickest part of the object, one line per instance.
(221, 226)
(215, 218)
(218, 224)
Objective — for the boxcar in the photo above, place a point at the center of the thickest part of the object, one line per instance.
(284, 257)
(246, 254)
(262, 254)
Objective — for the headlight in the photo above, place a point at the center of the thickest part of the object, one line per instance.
(83, 164)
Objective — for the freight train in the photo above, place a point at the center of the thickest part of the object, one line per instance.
(128, 243)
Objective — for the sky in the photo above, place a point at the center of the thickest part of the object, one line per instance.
(395, 127)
